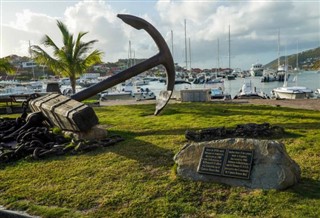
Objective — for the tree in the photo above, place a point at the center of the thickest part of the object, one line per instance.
(316, 65)
(72, 59)
(6, 66)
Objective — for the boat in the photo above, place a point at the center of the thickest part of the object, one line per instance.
(256, 69)
(136, 92)
(218, 93)
(291, 92)
(23, 87)
(249, 91)
(283, 69)
(21, 91)
(140, 93)
(231, 77)
(115, 95)
(206, 79)
(237, 72)
(317, 93)
(269, 75)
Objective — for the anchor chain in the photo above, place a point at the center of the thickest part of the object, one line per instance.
(251, 130)
(19, 140)
(25, 105)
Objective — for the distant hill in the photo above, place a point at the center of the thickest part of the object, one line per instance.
(308, 60)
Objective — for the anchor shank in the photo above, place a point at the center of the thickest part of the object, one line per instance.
(116, 79)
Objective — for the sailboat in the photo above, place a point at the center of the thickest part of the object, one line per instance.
(282, 69)
(291, 92)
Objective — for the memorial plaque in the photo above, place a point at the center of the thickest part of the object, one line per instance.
(238, 163)
(211, 161)
(226, 162)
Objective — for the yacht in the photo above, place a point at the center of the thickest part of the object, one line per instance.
(269, 75)
(256, 69)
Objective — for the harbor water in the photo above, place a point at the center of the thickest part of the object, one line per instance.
(309, 79)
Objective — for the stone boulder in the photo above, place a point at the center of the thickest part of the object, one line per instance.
(271, 168)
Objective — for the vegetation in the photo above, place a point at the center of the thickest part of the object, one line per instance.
(310, 58)
(317, 65)
(72, 59)
(6, 66)
(136, 178)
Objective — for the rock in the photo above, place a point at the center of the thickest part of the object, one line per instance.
(272, 168)
(95, 133)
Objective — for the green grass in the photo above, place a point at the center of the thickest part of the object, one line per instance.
(136, 177)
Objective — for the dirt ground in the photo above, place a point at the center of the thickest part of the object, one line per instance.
(308, 104)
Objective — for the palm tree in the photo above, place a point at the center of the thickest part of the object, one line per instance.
(6, 66)
(72, 59)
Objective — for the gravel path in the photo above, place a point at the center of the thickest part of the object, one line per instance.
(308, 104)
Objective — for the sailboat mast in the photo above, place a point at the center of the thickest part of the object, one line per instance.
(190, 56)
(218, 58)
(229, 56)
(229, 52)
(172, 44)
(129, 55)
(279, 48)
(185, 43)
(134, 58)
(297, 58)
(285, 84)
(30, 53)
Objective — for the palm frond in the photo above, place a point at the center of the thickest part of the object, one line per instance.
(78, 45)
(93, 58)
(84, 47)
(64, 31)
(72, 59)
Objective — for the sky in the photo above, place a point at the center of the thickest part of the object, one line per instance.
(203, 26)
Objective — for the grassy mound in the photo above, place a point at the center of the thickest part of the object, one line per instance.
(136, 177)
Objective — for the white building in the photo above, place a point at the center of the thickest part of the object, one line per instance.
(28, 64)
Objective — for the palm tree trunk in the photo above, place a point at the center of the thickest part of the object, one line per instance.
(73, 84)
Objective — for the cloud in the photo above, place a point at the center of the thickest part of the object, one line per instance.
(28, 27)
(96, 18)
(253, 25)
(101, 21)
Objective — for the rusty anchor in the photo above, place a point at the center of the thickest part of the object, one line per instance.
(70, 114)
(164, 57)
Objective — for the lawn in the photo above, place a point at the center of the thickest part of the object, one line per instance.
(136, 177)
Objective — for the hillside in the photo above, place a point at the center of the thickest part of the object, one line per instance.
(309, 60)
